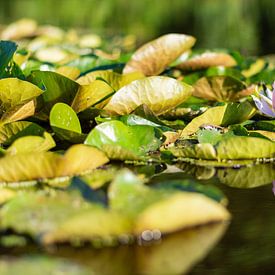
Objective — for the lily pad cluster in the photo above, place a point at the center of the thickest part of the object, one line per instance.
(70, 111)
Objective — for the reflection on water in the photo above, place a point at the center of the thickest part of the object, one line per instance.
(248, 246)
(174, 254)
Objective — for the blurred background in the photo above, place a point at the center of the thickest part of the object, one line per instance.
(245, 25)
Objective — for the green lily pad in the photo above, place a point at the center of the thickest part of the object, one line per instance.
(265, 125)
(237, 113)
(8, 66)
(57, 88)
(204, 151)
(159, 93)
(209, 136)
(245, 148)
(123, 142)
(231, 113)
(65, 123)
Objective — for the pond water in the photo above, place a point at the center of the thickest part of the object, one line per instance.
(245, 246)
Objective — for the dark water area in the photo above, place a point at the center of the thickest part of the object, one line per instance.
(248, 246)
(245, 246)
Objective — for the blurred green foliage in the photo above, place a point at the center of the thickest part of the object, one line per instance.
(245, 25)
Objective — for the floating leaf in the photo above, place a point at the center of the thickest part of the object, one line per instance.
(153, 57)
(265, 125)
(213, 116)
(79, 159)
(159, 93)
(189, 205)
(19, 29)
(30, 144)
(221, 88)
(57, 88)
(15, 92)
(245, 148)
(70, 72)
(237, 113)
(54, 54)
(65, 123)
(209, 136)
(7, 49)
(19, 112)
(115, 80)
(90, 225)
(96, 94)
(120, 141)
(129, 196)
(204, 151)
(231, 113)
(205, 60)
(16, 99)
(269, 135)
(45, 211)
(22, 167)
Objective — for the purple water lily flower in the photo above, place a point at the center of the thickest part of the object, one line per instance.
(266, 101)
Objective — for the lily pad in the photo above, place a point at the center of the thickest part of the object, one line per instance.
(123, 142)
(231, 113)
(189, 205)
(7, 50)
(96, 94)
(65, 123)
(70, 72)
(30, 144)
(22, 167)
(57, 88)
(129, 196)
(207, 59)
(221, 88)
(11, 131)
(159, 93)
(245, 148)
(153, 57)
(16, 94)
(115, 80)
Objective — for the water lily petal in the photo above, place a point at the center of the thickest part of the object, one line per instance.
(263, 107)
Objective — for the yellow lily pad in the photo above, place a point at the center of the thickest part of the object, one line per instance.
(153, 57)
(159, 93)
